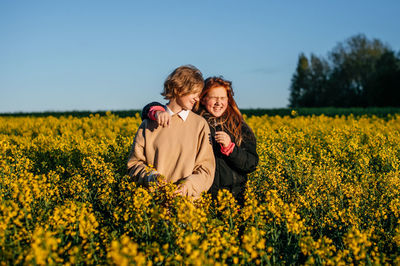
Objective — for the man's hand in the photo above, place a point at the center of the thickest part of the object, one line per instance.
(222, 138)
(163, 118)
(151, 180)
(182, 190)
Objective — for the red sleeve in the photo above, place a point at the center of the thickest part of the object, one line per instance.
(153, 110)
(228, 150)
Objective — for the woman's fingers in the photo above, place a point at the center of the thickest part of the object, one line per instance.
(163, 118)
(222, 138)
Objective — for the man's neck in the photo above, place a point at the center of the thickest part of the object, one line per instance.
(174, 106)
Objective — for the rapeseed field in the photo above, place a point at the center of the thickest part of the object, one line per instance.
(326, 191)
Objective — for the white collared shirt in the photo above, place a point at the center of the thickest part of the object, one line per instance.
(182, 114)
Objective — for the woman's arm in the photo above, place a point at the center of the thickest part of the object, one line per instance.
(155, 111)
(146, 109)
(245, 157)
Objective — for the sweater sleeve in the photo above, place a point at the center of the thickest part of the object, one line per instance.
(227, 150)
(153, 110)
(137, 166)
(146, 109)
(204, 170)
(245, 157)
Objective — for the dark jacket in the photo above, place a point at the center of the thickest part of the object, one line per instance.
(231, 171)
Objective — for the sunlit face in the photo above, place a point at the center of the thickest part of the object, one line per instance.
(216, 101)
(186, 102)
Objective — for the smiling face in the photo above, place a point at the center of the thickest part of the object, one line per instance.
(186, 102)
(216, 101)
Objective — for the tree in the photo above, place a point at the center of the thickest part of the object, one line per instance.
(319, 81)
(309, 82)
(359, 72)
(353, 64)
(300, 82)
(384, 86)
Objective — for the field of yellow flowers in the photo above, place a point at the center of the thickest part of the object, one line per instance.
(326, 191)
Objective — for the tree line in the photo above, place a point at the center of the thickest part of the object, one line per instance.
(358, 72)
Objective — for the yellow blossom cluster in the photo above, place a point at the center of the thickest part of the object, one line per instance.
(326, 191)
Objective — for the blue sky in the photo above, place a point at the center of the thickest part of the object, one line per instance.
(115, 55)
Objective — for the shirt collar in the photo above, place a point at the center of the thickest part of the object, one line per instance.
(182, 114)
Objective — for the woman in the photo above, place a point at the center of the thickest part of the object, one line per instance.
(234, 143)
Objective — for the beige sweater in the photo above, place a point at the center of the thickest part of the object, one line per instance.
(181, 151)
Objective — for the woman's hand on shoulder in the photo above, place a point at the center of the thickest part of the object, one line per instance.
(163, 118)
